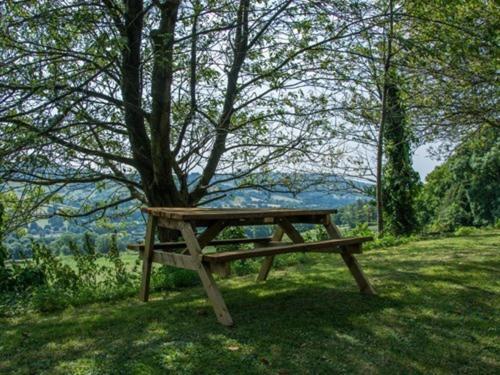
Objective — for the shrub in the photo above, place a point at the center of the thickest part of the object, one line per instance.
(52, 284)
(245, 266)
(316, 234)
(465, 231)
(166, 277)
(48, 298)
(360, 230)
(497, 224)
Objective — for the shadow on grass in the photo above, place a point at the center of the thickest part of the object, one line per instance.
(431, 316)
(180, 332)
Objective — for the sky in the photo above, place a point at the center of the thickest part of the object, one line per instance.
(423, 163)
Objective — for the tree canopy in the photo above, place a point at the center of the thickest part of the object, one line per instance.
(146, 93)
(159, 97)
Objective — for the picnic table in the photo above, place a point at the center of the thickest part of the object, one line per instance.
(189, 253)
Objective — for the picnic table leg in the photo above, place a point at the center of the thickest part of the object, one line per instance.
(213, 292)
(268, 261)
(147, 259)
(350, 261)
(284, 226)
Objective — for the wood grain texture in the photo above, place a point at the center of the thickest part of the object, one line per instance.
(147, 258)
(182, 213)
(169, 246)
(321, 246)
(213, 293)
(172, 259)
(267, 264)
(351, 262)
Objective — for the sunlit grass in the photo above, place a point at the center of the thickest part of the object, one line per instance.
(437, 311)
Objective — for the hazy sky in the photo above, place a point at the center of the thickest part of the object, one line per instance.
(423, 163)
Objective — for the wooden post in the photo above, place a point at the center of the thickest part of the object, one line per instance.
(213, 292)
(268, 261)
(358, 274)
(284, 227)
(148, 257)
(350, 261)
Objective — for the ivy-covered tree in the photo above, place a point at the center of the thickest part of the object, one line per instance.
(400, 181)
(4, 272)
(447, 53)
(367, 66)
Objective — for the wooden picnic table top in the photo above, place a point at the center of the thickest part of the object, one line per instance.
(183, 213)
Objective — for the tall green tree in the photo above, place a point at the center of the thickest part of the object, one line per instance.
(447, 52)
(159, 96)
(400, 181)
(370, 102)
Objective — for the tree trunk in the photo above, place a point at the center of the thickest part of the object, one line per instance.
(379, 199)
(380, 146)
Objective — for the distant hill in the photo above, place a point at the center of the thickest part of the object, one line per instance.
(329, 193)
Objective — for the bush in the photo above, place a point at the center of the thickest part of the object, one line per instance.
(52, 284)
(316, 234)
(48, 298)
(166, 277)
(245, 266)
(361, 230)
(388, 240)
(465, 231)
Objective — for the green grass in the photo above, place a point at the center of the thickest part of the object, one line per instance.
(437, 312)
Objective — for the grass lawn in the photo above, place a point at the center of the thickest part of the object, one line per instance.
(437, 311)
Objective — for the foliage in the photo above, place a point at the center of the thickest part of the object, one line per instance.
(464, 190)
(400, 181)
(453, 55)
(47, 281)
(144, 94)
(385, 241)
(168, 278)
(231, 233)
(361, 211)
(430, 316)
(360, 230)
(465, 231)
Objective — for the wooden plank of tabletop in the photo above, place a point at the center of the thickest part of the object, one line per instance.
(182, 213)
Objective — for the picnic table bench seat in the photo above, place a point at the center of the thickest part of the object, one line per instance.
(167, 246)
(319, 246)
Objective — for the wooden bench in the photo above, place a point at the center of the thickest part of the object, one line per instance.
(166, 246)
(351, 245)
